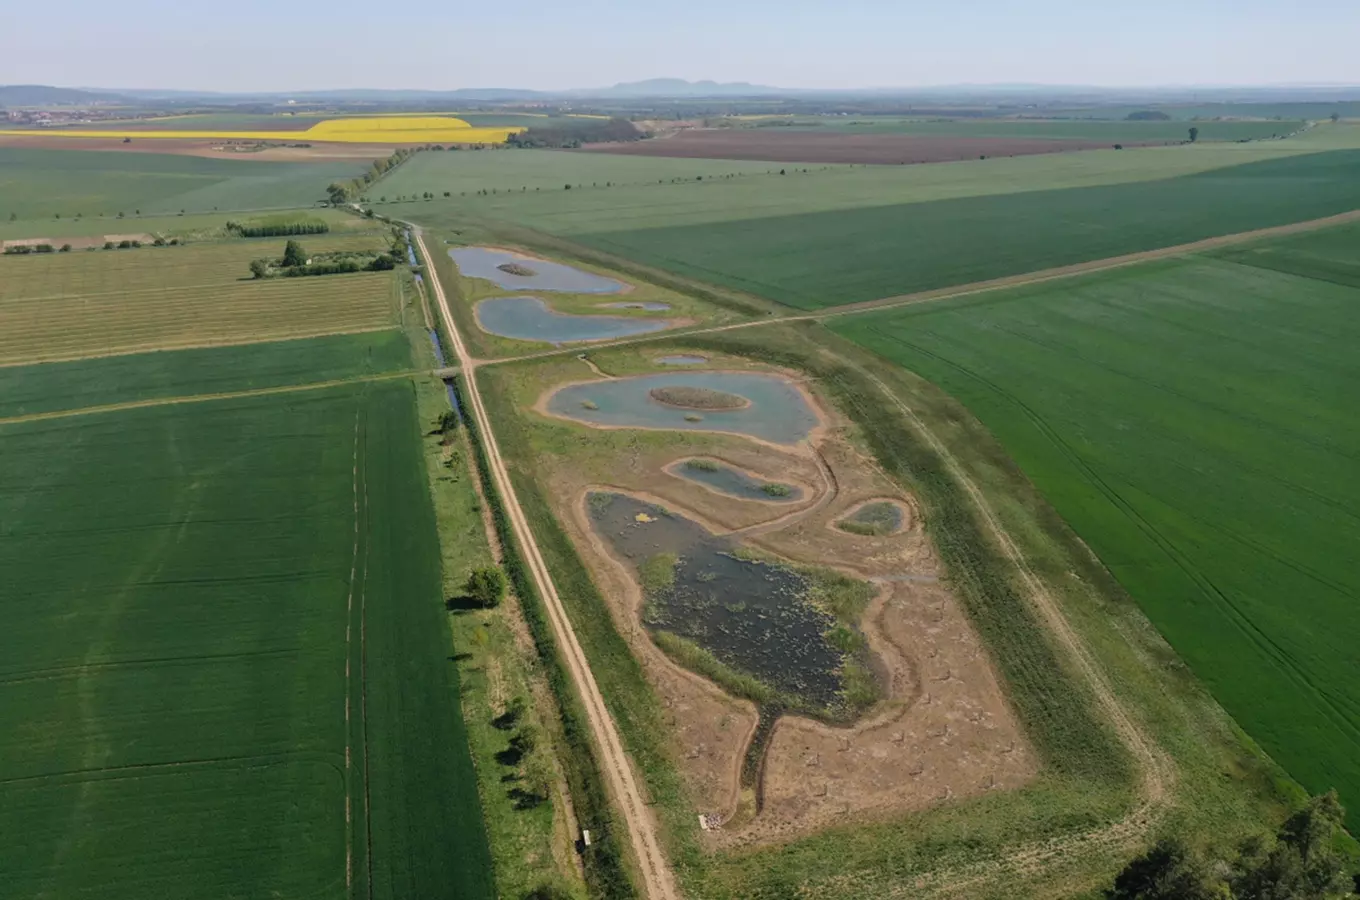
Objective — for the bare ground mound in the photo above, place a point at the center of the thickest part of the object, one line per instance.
(779, 145)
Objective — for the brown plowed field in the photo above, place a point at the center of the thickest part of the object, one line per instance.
(778, 145)
(230, 149)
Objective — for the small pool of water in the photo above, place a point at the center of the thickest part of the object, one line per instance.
(681, 360)
(482, 262)
(530, 319)
(753, 616)
(877, 518)
(650, 306)
(778, 411)
(734, 482)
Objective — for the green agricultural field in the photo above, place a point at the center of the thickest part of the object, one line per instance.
(1128, 132)
(104, 302)
(645, 204)
(1193, 421)
(39, 184)
(187, 587)
(144, 377)
(512, 171)
(817, 260)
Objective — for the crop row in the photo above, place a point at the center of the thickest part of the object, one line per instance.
(240, 312)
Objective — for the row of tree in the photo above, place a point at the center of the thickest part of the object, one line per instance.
(341, 192)
(1300, 862)
(278, 229)
(295, 263)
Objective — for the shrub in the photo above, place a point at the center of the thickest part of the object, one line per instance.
(486, 586)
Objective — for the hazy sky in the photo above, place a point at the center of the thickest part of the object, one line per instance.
(440, 44)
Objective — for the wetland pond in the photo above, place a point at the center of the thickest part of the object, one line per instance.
(734, 482)
(754, 617)
(874, 519)
(775, 411)
(514, 272)
(530, 319)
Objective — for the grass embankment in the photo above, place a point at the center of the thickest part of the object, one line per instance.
(504, 694)
(605, 868)
(176, 711)
(1087, 783)
(1194, 421)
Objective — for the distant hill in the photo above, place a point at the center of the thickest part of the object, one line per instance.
(679, 87)
(43, 95)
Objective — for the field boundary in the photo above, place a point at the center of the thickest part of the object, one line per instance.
(201, 398)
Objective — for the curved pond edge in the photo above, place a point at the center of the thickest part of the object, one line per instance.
(904, 510)
(676, 469)
(627, 326)
(604, 285)
(541, 407)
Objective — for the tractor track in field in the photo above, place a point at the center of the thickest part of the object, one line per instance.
(658, 881)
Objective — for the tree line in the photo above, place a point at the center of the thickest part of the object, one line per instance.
(1301, 861)
(341, 192)
(280, 229)
(295, 263)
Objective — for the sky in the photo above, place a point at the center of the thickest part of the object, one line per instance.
(261, 45)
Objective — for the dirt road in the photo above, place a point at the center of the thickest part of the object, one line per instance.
(658, 880)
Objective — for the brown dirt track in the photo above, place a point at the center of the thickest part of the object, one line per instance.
(782, 145)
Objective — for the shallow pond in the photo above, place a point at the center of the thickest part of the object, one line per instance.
(483, 262)
(877, 518)
(735, 483)
(648, 305)
(752, 616)
(681, 360)
(778, 412)
(530, 319)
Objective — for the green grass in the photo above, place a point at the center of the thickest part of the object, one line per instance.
(528, 846)
(1194, 422)
(49, 387)
(38, 184)
(172, 687)
(1076, 130)
(826, 259)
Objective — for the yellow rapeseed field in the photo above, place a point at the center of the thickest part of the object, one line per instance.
(365, 130)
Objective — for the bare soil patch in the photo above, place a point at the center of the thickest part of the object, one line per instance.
(213, 149)
(944, 730)
(781, 145)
